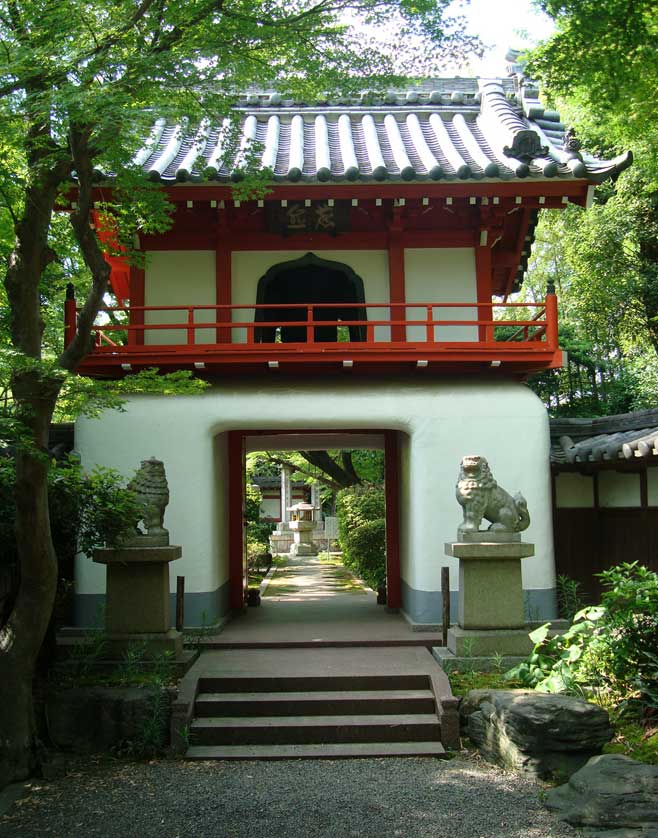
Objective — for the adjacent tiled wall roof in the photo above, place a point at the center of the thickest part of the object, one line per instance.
(626, 437)
(464, 129)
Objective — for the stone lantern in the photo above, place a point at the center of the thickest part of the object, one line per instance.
(302, 524)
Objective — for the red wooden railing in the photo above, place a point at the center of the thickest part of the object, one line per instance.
(538, 331)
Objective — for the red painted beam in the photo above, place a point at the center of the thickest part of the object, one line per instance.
(575, 190)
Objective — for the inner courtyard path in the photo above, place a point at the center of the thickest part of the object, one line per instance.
(315, 602)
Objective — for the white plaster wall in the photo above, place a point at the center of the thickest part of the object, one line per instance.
(616, 489)
(504, 421)
(446, 275)
(574, 491)
(270, 508)
(370, 265)
(179, 277)
(652, 486)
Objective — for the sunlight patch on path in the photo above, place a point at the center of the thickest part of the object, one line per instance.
(309, 578)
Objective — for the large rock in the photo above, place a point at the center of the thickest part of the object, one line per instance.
(546, 736)
(612, 792)
(89, 719)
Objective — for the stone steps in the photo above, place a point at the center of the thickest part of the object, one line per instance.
(328, 716)
(295, 730)
(338, 702)
(326, 750)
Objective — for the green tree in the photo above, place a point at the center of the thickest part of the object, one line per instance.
(600, 68)
(335, 470)
(80, 82)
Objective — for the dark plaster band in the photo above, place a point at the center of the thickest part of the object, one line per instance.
(427, 607)
(201, 608)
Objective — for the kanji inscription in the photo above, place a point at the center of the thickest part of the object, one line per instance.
(318, 217)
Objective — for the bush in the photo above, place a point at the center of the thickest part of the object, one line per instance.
(367, 546)
(86, 510)
(362, 532)
(610, 652)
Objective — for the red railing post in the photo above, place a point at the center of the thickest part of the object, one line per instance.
(191, 332)
(310, 337)
(70, 315)
(430, 324)
(551, 322)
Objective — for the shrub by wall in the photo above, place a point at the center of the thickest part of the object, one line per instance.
(362, 532)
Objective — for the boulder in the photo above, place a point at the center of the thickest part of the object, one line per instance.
(543, 735)
(89, 719)
(612, 792)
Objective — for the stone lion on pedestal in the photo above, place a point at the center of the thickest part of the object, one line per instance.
(481, 497)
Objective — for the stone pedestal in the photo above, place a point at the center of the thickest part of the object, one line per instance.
(137, 604)
(302, 544)
(491, 610)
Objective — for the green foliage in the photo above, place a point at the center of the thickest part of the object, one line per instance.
(599, 68)
(569, 597)
(462, 682)
(635, 736)
(369, 465)
(253, 500)
(365, 551)
(609, 652)
(362, 532)
(603, 56)
(86, 510)
(104, 511)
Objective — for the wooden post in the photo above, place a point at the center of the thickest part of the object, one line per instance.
(551, 321)
(180, 602)
(445, 593)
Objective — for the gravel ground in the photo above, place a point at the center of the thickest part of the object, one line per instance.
(420, 798)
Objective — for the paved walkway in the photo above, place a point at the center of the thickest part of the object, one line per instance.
(315, 602)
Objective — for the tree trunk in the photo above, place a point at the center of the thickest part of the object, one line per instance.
(34, 391)
(21, 637)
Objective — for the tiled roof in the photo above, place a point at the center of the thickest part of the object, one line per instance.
(625, 437)
(465, 129)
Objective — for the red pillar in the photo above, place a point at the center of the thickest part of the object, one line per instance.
(484, 284)
(236, 521)
(551, 322)
(396, 289)
(223, 280)
(137, 296)
(392, 492)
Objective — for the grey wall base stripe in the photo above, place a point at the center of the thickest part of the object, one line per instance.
(427, 607)
(201, 608)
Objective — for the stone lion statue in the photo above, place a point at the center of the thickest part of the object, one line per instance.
(481, 497)
(150, 486)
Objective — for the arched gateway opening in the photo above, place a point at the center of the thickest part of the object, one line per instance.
(333, 286)
(241, 441)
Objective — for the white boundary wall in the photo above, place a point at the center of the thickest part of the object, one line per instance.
(441, 420)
